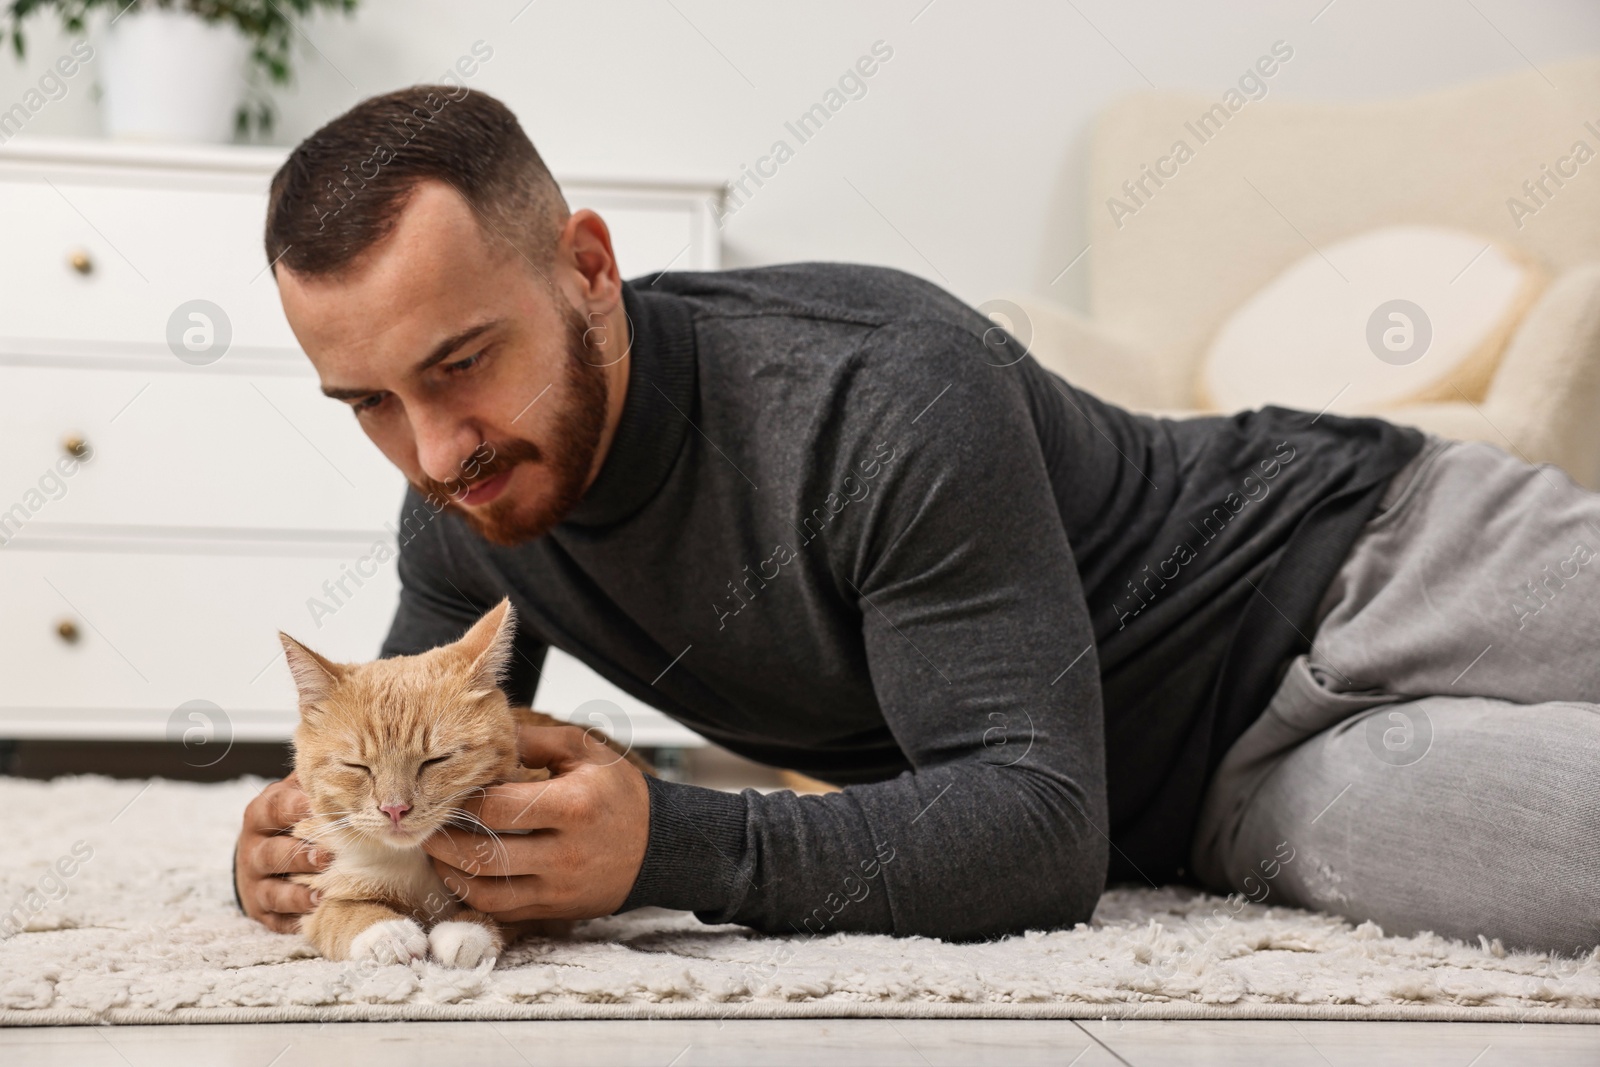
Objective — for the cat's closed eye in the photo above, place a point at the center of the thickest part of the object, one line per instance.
(435, 760)
(358, 767)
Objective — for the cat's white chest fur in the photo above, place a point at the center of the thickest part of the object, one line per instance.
(400, 874)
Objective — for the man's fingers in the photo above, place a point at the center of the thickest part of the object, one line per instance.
(282, 924)
(477, 855)
(284, 854)
(288, 804)
(283, 897)
(514, 898)
(265, 850)
(277, 807)
(521, 805)
(289, 855)
(480, 855)
(555, 747)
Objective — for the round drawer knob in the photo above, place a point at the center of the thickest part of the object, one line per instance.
(79, 261)
(75, 445)
(67, 630)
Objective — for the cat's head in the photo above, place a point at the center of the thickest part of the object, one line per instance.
(391, 748)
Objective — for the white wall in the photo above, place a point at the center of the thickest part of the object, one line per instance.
(963, 162)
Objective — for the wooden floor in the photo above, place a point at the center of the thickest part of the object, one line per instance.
(829, 1042)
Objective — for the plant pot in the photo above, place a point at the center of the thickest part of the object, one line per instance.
(169, 76)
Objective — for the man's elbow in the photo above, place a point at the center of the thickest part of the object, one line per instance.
(1075, 881)
(1058, 887)
(1070, 860)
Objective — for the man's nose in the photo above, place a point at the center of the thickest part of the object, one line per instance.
(444, 444)
(396, 812)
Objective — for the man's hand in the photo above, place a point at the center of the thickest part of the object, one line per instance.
(590, 824)
(267, 853)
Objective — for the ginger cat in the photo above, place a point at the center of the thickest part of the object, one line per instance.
(386, 751)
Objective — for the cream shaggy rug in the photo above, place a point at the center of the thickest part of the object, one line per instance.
(143, 930)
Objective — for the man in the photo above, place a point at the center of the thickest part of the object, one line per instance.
(833, 519)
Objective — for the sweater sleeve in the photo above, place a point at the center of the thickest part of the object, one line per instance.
(982, 658)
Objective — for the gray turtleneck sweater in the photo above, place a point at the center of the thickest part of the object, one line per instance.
(847, 527)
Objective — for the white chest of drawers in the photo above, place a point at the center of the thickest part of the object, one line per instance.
(161, 519)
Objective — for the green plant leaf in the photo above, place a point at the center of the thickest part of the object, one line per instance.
(266, 24)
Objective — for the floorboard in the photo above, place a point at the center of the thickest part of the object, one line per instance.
(803, 1043)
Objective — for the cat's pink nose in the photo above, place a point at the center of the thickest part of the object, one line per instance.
(395, 812)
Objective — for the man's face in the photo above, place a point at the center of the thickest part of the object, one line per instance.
(473, 374)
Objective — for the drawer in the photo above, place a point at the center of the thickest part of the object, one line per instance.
(147, 250)
(156, 630)
(189, 448)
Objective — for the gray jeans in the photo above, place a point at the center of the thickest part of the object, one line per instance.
(1434, 762)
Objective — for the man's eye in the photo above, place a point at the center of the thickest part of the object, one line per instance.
(368, 403)
(464, 364)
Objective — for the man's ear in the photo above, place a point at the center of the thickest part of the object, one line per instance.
(314, 675)
(486, 648)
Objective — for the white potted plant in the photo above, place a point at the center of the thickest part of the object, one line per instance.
(181, 70)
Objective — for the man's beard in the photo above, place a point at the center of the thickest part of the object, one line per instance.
(568, 460)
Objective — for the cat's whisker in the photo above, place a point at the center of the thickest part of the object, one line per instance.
(472, 821)
(301, 846)
(468, 821)
(450, 800)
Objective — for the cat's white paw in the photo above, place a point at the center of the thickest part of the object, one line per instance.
(393, 941)
(462, 944)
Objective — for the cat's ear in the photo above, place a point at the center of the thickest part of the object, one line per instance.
(314, 675)
(486, 648)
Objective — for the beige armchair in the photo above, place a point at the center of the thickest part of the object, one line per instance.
(1282, 178)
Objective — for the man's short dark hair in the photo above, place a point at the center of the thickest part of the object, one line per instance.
(342, 189)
